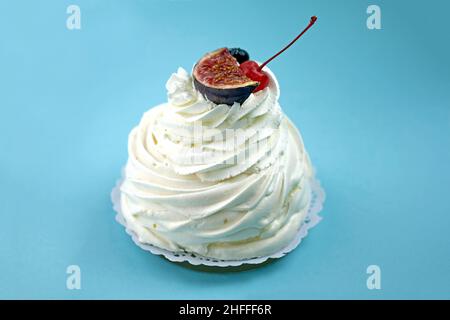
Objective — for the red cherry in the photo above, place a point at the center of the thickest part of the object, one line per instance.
(254, 71)
(251, 70)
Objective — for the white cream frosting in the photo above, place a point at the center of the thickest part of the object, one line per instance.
(189, 187)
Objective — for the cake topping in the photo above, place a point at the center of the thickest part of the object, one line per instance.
(226, 76)
(220, 79)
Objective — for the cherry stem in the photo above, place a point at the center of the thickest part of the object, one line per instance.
(311, 22)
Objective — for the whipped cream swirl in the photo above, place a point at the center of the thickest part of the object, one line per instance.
(225, 182)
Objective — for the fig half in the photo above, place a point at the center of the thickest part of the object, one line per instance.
(219, 79)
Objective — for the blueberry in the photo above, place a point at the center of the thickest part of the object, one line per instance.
(240, 54)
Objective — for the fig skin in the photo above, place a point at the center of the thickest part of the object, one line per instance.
(223, 94)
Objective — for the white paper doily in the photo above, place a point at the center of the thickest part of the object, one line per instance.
(311, 220)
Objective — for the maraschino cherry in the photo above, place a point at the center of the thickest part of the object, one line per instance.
(255, 72)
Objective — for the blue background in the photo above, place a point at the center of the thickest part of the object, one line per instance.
(373, 107)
